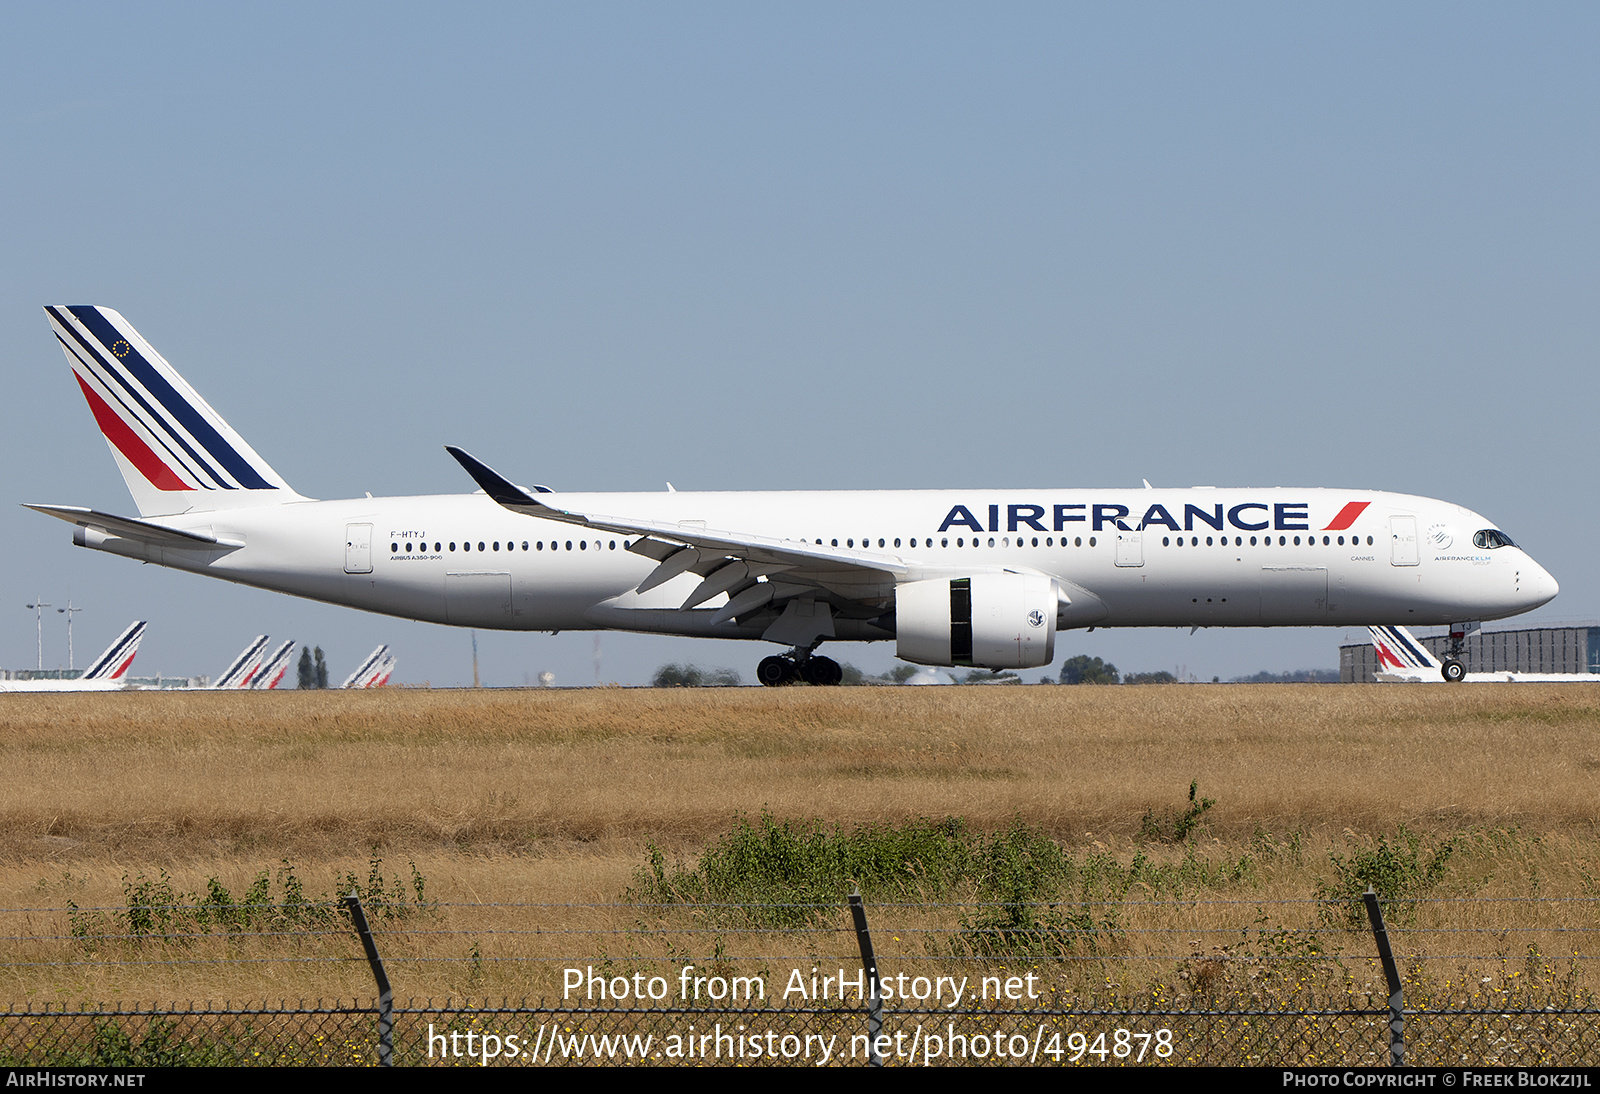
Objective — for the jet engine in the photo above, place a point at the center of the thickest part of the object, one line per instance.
(992, 621)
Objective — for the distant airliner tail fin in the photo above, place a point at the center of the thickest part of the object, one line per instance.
(245, 667)
(374, 671)
(115, 662)
(175, 452)
(274, 667)
(1398, 650)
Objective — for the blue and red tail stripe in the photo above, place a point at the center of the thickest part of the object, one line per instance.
(166, 433)
(124, 398)
(1402, 648)
(111, 664)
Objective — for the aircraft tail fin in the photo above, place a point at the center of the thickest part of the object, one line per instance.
(374, 671)
(118, 658)
(244, 668)
(174, 451)
(273, 667)
(1398, 651)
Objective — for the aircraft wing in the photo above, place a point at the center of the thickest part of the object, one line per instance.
(729, 562)
(157, 535)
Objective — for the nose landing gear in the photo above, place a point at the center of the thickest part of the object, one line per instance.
(800, 666)
(1454, 670)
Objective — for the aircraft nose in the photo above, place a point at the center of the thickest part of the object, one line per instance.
(1539, 586)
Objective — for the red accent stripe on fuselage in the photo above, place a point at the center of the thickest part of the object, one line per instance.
(1347, 516)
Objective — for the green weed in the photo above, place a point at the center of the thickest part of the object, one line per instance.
(1400, 870)
(1173, 826)
(154, 912)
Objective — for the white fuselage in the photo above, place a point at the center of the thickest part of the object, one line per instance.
(63, 685)
(1131, 558)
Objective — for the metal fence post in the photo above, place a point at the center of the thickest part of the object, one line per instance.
(385, 994)
(869, 961)
(1397, 1019)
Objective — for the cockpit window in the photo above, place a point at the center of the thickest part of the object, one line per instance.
(1492, 537)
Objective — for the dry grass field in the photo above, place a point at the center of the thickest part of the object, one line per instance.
(551, 797)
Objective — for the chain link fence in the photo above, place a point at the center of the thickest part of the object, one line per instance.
(697, 988)
(535, 1034)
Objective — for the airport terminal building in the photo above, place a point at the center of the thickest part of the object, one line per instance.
(1534, 649)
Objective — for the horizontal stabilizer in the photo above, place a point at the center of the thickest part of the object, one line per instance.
(143, 531)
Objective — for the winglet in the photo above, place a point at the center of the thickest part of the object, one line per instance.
(501, 489)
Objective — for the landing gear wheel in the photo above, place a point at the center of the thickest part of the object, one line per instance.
(775, 672)
(1453, 671)
(821, 671)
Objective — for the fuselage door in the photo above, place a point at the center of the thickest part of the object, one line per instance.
(1403, 537)
(358, 548)
(1130, 548)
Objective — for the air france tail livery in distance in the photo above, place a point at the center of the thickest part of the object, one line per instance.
(981, 578)
(108, 672)
(273, 668)
(1404, 660)
(374, 672)
(243, 671)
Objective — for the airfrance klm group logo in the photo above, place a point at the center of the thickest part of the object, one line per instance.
(1250, 516)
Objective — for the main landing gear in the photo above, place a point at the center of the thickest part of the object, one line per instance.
(799, 667)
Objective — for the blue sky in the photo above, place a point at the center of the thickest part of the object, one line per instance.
(830, 246)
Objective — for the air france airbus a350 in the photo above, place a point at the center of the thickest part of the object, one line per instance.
(980, 578)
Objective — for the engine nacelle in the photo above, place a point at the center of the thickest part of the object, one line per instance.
(991, 621)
